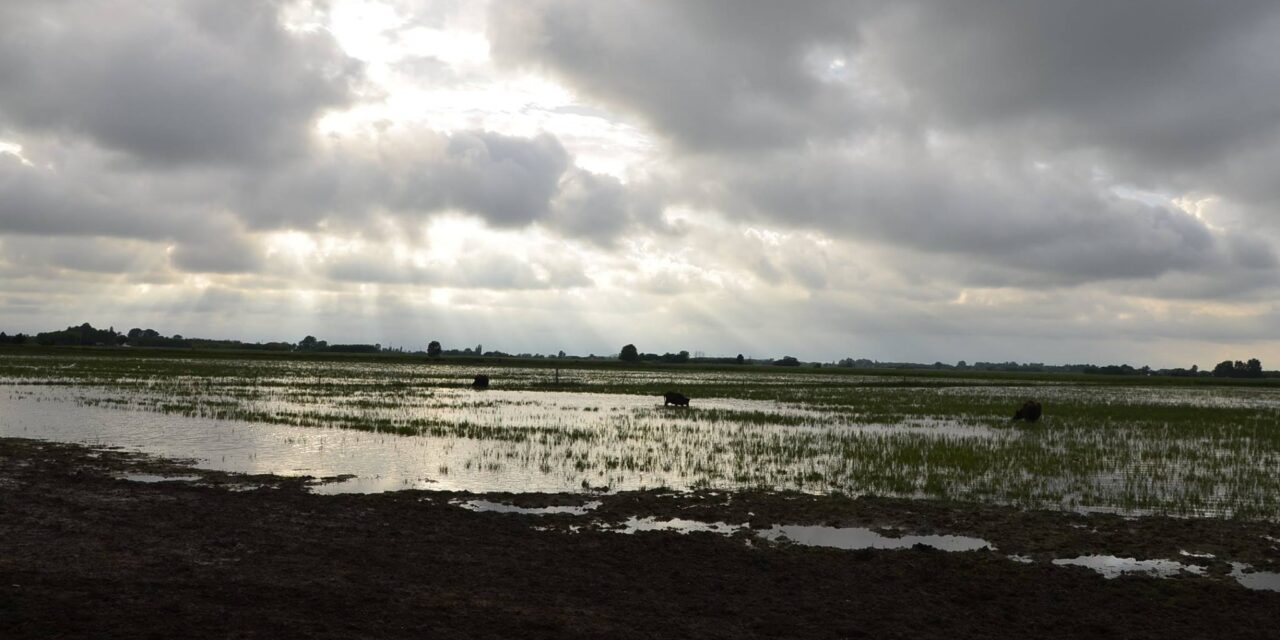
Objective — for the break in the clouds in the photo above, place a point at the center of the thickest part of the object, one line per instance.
(919, 180)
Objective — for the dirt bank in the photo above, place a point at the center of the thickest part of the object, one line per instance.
(86, 554)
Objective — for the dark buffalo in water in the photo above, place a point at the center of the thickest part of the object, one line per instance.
(1029, 411)
(481, 382)
(678, 399)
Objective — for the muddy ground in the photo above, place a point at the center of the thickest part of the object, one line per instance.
(84, 553)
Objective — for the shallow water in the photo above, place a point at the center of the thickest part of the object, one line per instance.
(381, 462)
(863, 538)
(1114, 567)
(498, 507)
(151, 477)
(561, 442)
(678, 525)
(1257, 580)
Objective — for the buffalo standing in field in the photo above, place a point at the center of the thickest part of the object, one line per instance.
(1029, 411)
(678, 399)
(481, 382)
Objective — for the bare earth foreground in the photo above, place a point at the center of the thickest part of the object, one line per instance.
(84, 553)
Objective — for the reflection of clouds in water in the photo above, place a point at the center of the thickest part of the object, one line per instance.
(635, 442)
(1256, 580)
(1114, 567)
(863, 538)
(381, 461)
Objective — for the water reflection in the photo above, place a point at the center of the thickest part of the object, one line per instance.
(1257, 580)
(678, 525)
(151, 477)
(380, 462)
(504, 441)
(863, 538)
(1114, 567)
(498, 507)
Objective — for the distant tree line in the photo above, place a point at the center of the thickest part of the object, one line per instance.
(87, 335)
(629, 353)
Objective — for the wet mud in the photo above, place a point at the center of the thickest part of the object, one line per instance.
(86, 552)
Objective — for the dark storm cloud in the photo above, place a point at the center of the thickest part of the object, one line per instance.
(37, 201)
(989, 129)
(508, 181)
(25, 256)
(1017, 218)
(1174, 81)
(1178, 81)
(98, 211)
(228, 252)
(209, 216)
(169, 82)
(1181, 95)
(601, 208)
(720, 75)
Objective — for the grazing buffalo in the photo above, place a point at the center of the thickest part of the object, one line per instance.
(481, 382)
(1030, 411)
(678, 399)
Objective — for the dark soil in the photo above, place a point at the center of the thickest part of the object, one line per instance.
(86, 554)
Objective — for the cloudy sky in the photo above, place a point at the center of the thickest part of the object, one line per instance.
(1046, 180)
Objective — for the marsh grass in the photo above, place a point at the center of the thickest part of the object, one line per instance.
(1184, 450)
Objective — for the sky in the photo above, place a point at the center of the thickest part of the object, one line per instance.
(1052, 181)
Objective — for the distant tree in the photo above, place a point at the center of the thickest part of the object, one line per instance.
(479, 350)
(561, 354)
(1253, 368)
(135, 333)
(962, 364)
(1195, 368)
(787, 361)
(1224, 369)
(307, 344)
(433, 349)
(740, 359)
(629, 353)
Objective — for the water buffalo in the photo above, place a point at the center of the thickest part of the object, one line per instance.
(1029, 411)
(678, 399)
(481, 382)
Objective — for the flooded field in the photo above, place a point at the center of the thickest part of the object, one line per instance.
(1133, 448)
